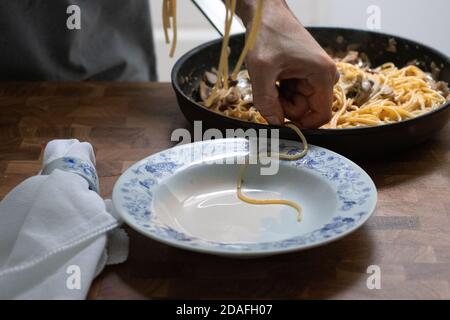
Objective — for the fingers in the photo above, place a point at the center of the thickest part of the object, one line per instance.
(337, 76)
(307, 103)
(305, 88)
(314, 119)
(304, 105)
(294, 104)
(295, 108)
(319, 102)
(266, 97)
(305, 100)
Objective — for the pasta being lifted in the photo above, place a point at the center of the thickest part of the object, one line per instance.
(169, 19)
(221, 83)
(363, 96)
(293, 157)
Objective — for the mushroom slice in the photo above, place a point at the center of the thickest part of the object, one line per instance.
(205, 91)
(210, 78)
(233, 96)
(351, 57)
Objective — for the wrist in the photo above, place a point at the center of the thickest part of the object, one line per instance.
(246, 9)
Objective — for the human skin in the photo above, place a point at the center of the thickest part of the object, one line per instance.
(286, 53)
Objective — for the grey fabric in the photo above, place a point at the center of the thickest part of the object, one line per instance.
(115, 41)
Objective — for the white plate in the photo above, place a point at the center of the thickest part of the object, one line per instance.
(177, 197)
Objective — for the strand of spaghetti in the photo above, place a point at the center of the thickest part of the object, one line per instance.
(222, 72)
(242, 169)
(341, 110)
(299, 155)
(223, 65)
(246, 199)
(226, 53)
(173, 13)
(220, 68)
(362, 121)
(165, 18)
(249, 43)
(223, 60)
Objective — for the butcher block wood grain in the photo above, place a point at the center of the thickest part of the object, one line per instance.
(408, 237)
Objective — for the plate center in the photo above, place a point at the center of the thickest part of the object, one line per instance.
(201, 201)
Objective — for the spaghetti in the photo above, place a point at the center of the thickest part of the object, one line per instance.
(293, 157)
(169, 14)
(220, 81)
(387, 94)
(362, 97)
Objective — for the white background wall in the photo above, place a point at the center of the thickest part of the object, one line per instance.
(427, 21)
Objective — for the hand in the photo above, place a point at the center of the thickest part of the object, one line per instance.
(285, 51)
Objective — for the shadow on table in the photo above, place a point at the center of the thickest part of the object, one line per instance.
(154, 270)
(406, 166)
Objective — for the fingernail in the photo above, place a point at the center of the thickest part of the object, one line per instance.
(273, 120)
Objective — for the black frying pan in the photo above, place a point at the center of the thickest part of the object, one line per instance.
(355, 142)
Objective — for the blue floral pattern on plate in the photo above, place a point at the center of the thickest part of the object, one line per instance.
(133, 196)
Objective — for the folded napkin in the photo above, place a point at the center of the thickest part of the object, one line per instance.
(56, 233)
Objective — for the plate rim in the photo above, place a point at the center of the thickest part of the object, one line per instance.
(238, 253)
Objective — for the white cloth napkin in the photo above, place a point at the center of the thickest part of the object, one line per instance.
(54, 232)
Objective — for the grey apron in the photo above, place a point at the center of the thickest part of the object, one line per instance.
(115, 41)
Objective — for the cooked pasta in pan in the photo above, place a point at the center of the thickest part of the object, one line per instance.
(363, 96)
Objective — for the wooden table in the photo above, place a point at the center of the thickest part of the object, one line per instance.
(408, 237)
